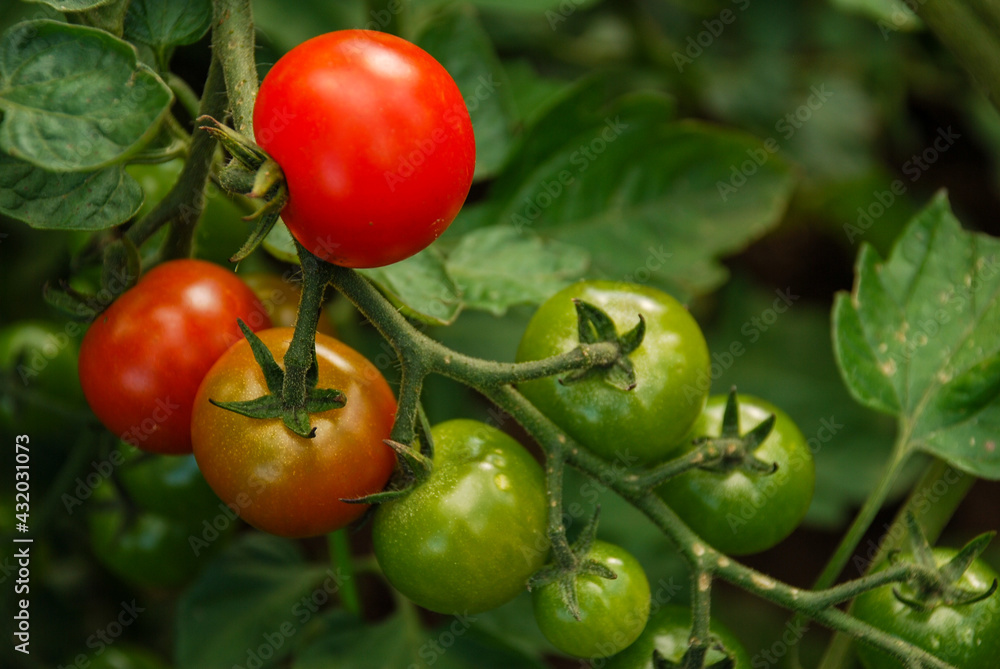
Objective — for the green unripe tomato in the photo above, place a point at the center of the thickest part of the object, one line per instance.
(468, 538)
(613, 612)
(39, 362)
(639, 426)
(966, 636)
(667, 631)
(740, 512)
(162, 541)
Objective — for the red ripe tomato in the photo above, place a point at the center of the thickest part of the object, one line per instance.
(278, 481)
(375, 142)
(143, 358)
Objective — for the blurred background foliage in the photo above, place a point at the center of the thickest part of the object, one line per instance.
(851, 92)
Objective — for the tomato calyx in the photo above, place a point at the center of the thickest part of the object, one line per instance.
(254, 174)
(932, 586)
(571, 563)
(274, 405)
(732, 450)
(596, 327)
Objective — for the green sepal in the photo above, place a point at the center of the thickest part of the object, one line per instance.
(735, 450)
(958, 565)
(265, 222)
(731, 417)
(267, 406)
(296, 419)
(274, 376)
(68, 301)
(319, 400)
(569, 565)
(241, 147)
(594, 326)
(268, 176)
(415, 468)
(934, 586)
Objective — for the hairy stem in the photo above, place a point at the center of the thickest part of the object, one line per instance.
(233, 41)
(184, 203)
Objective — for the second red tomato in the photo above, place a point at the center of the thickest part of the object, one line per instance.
(375, 142)
(143, 358)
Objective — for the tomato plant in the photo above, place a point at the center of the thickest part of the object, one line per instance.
(281, 482)
(667, 632)
(143, 358)
(642, 425)
(467, 539)
(740, 510)
(613, 612)
(375, 142)
(965, 635)
(573, 222)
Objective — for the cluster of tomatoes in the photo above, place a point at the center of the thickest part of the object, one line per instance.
(157, 362)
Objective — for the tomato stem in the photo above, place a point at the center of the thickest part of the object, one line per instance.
(233, 41)
(302, 350)
(184, 203)
(343, 563)
(419, 355)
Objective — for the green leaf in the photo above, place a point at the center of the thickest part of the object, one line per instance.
(69, 201)
(457, 40)
(166, 23)
(346, 643)
(421, 286)
(73, 5)
(75, 98)
(651, 199)
(250, 596)
(918, 337)
(496, 268)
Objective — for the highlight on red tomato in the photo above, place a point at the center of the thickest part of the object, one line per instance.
(276, 480)
(375, 143)
(143, 358)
